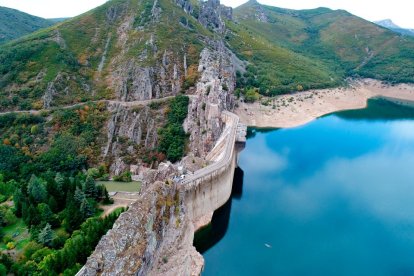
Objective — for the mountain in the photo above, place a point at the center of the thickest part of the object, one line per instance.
(387, 23)
(105, 53)
(14, 24)
(58, 20)
(316, 48)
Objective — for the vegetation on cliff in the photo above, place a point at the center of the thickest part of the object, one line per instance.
(172, 136)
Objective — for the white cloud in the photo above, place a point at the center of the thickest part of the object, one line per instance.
(403, 130)
(263, 159)
(380, 183)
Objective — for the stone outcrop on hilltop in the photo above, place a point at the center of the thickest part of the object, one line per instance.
(213, 14)
(213, 95)
(132, 81)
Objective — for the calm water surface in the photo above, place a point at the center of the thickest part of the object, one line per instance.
(333, 197)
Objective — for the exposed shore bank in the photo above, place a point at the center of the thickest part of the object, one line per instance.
(300, 108)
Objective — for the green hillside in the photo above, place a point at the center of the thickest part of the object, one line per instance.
(68, 56)
(316, 48)
(15, 24)
(287, 50)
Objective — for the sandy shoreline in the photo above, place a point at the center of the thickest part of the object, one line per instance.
(298, 109)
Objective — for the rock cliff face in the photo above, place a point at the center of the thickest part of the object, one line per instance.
(133, 243)
(213, 95)
(213, 14)
(133, 82)
(130, 132)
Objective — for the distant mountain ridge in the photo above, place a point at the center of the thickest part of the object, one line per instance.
(14, 24)
(110, 51)
(389, 24)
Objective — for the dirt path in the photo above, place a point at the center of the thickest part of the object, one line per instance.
(119, 201)
(122, 103)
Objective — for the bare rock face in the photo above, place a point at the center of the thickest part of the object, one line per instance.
(213, 95)
(132, 82)
(61, 87)
(185, 5)
(131, 247)
(212, 15)
(129, 131)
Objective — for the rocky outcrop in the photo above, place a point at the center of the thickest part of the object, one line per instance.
(132, 246)
(141, 243)
(134, 82)
(214, 94)
(185, 5)
(62, 86)
(213, 14)
(130, 131)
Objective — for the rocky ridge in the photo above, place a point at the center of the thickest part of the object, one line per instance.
(137, 245)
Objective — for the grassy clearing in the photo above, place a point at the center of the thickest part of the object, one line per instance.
(19, 234)
(115, 186)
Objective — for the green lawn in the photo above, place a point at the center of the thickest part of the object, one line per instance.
(19, 233)
(115, 186)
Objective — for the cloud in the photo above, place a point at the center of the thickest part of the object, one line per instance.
(262, 159)
(403, 130)
(380, 184)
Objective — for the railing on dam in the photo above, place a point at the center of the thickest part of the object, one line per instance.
(225, 161)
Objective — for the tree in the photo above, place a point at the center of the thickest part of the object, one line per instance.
(37, 189)
(86, 208)
(89, 187)
(53, 204)
(251, 95)
(79, 195)
(45, 236)
(46, 215)
(73, 216)
(30, 249)
(60, 181)
(3, 270)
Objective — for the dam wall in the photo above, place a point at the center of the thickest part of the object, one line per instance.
(210, 188)
(155, 235)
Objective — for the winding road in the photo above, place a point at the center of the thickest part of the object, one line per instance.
(122, 103)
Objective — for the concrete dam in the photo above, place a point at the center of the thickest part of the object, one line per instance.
(152, 228)
(210, 188)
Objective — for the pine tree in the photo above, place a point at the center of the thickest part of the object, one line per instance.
(73, 216)
(45, 236)
(89, 187)
(79, 195)
(53, 204)
(37, 189)
(46, 215)
(86, 208)
(60, 182)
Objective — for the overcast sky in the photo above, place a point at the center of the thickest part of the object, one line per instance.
(400, 11)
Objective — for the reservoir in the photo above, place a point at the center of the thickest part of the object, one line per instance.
(333, 197)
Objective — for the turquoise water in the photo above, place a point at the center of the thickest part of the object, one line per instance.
(333, 197)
